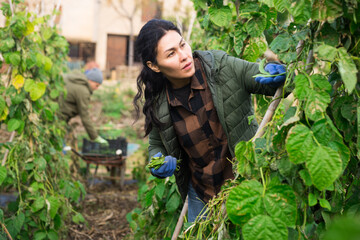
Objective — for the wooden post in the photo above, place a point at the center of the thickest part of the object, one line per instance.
(180, 220)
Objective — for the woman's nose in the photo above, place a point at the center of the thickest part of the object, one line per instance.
(182, 55)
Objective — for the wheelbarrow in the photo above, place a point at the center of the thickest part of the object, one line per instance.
(112, 156)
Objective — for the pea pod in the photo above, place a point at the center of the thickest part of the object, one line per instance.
(157, 162)
(264, 73)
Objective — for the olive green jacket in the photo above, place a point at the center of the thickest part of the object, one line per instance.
(231, 83)
(77, 101)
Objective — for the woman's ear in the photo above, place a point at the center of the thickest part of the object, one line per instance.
(152, 66)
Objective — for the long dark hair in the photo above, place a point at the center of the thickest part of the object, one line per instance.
(150, 83)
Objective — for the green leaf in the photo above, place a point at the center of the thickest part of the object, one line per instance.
(329, 35)
(220, 16)
(325, 131)
(13, 124)
(320, 83)
(348, 111)
(245, 154)
(316, 104)
(55, 204)
(19, 26)
(13, 58)
(78, 218)
(299, 142)
(252, 51)
(3, 174)
(265, 227)
(29, 84)
(343, 151)
(7, 44)
(301, 10)
(173, 203)
(15, 224)
(47, 64)
(281, 5)
(159, 190)
(305, 176)
(326, 52)
(270, 3)
(29, 28)
(326, 10)
(325, 204)
(39, 235)
(46, 33)
(38, 204)
(149, 197)
(280, 203)
(281, 43)
(286, 167)
(347, 70)
(36, 89)
(302, 87)
(41, 163)
(54, 93)
(255, 26)
(343, 228)
(200, 4)
(52, 235)
(35, 186)
(312, 200)
(245, 201)
(324, 165)
(2, 104)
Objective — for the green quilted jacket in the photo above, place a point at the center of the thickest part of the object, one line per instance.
(231, 83)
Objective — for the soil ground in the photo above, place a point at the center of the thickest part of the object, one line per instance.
(106, 205)
(104, 208)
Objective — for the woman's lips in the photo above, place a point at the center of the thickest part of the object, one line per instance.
(187, 66)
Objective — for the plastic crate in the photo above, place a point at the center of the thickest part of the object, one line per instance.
(90, 147)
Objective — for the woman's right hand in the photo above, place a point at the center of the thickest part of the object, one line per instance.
(167, 169)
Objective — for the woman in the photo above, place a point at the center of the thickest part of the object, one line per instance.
(196, 109)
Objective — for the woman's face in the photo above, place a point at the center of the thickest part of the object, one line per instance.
(174, 59)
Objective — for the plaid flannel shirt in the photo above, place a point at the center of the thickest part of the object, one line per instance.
(201, 136)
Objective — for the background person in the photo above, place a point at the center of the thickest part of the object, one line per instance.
(80, 87)
(196, 109)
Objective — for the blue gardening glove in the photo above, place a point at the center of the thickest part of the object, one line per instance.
(103, 142)
(167, 169)
(273, 69)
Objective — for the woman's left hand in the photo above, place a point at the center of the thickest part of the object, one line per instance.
(275, 81)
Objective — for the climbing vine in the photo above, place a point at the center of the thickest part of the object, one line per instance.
(33, 56)
(297, 180)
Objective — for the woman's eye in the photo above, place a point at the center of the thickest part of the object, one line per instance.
(170, 54)
(183, 44)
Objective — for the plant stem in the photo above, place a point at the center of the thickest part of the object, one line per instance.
(6, 231)
(263, 181)
(7, 150)
(11, 7)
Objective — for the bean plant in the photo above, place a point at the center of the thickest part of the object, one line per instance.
(300, 180)
(32, 58)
